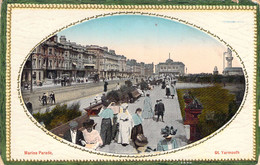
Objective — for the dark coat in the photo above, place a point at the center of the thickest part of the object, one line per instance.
(160, 108)
(52, 95)
(105, 86)
(79, 137)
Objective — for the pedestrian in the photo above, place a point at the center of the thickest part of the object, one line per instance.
(117, 86)
(147, 110)
(44, 99)
(125, 125)
(163, 85)
(74, 135)
(115, 125)
(64, 80)
(105, 86)
(104, 99)
(29, 107)
(156, 107)
(160, 110)
(107, 115)
(172, 90)
(91, 136)
(52, 96)
(138, 128)
(169, 142)
(168, 92)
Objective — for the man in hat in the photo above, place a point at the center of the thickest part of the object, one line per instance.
(160, 110)
(74, 135)
(91, 136)
(168, 143)
(52, 96)
(44, 99)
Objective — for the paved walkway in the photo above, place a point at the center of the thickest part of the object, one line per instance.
(152, 129)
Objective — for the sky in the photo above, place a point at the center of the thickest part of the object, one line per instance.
(150, 39)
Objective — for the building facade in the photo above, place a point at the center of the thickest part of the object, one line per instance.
(139, 69)
(170, 67)
(58, 58)
(53, 59)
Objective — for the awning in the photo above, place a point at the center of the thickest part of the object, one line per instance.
(89, 65)
(74, 63)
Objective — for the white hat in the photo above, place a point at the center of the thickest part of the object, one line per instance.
(124, 106)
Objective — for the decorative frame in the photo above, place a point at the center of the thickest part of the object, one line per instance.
(151, 7)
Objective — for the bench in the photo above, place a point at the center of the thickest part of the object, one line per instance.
(94, 108)
(134, 96)
(60, 130)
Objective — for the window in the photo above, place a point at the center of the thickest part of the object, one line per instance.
(50, 63)
(34, 75)
(50, 51)
(39, 75)
(34, 62)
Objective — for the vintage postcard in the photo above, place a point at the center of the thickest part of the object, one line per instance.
(95, 82)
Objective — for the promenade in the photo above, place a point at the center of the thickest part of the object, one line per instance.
(152, 129)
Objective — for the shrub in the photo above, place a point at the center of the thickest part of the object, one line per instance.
(218, 107)
(59, 115)
(113, 96)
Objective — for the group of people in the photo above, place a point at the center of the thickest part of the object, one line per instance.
(169, 86)
(44, 99)
(120, 126)
(89, 137)
(117, 124)
(149, 113)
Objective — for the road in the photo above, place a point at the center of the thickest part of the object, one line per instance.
(67, 93)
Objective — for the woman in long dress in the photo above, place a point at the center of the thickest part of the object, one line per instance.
(125, 125)
(172, 90)
(168, 92)
(107, 116)
(138, 128)
(147, 110)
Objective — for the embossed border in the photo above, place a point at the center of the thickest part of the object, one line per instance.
(126, 7)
